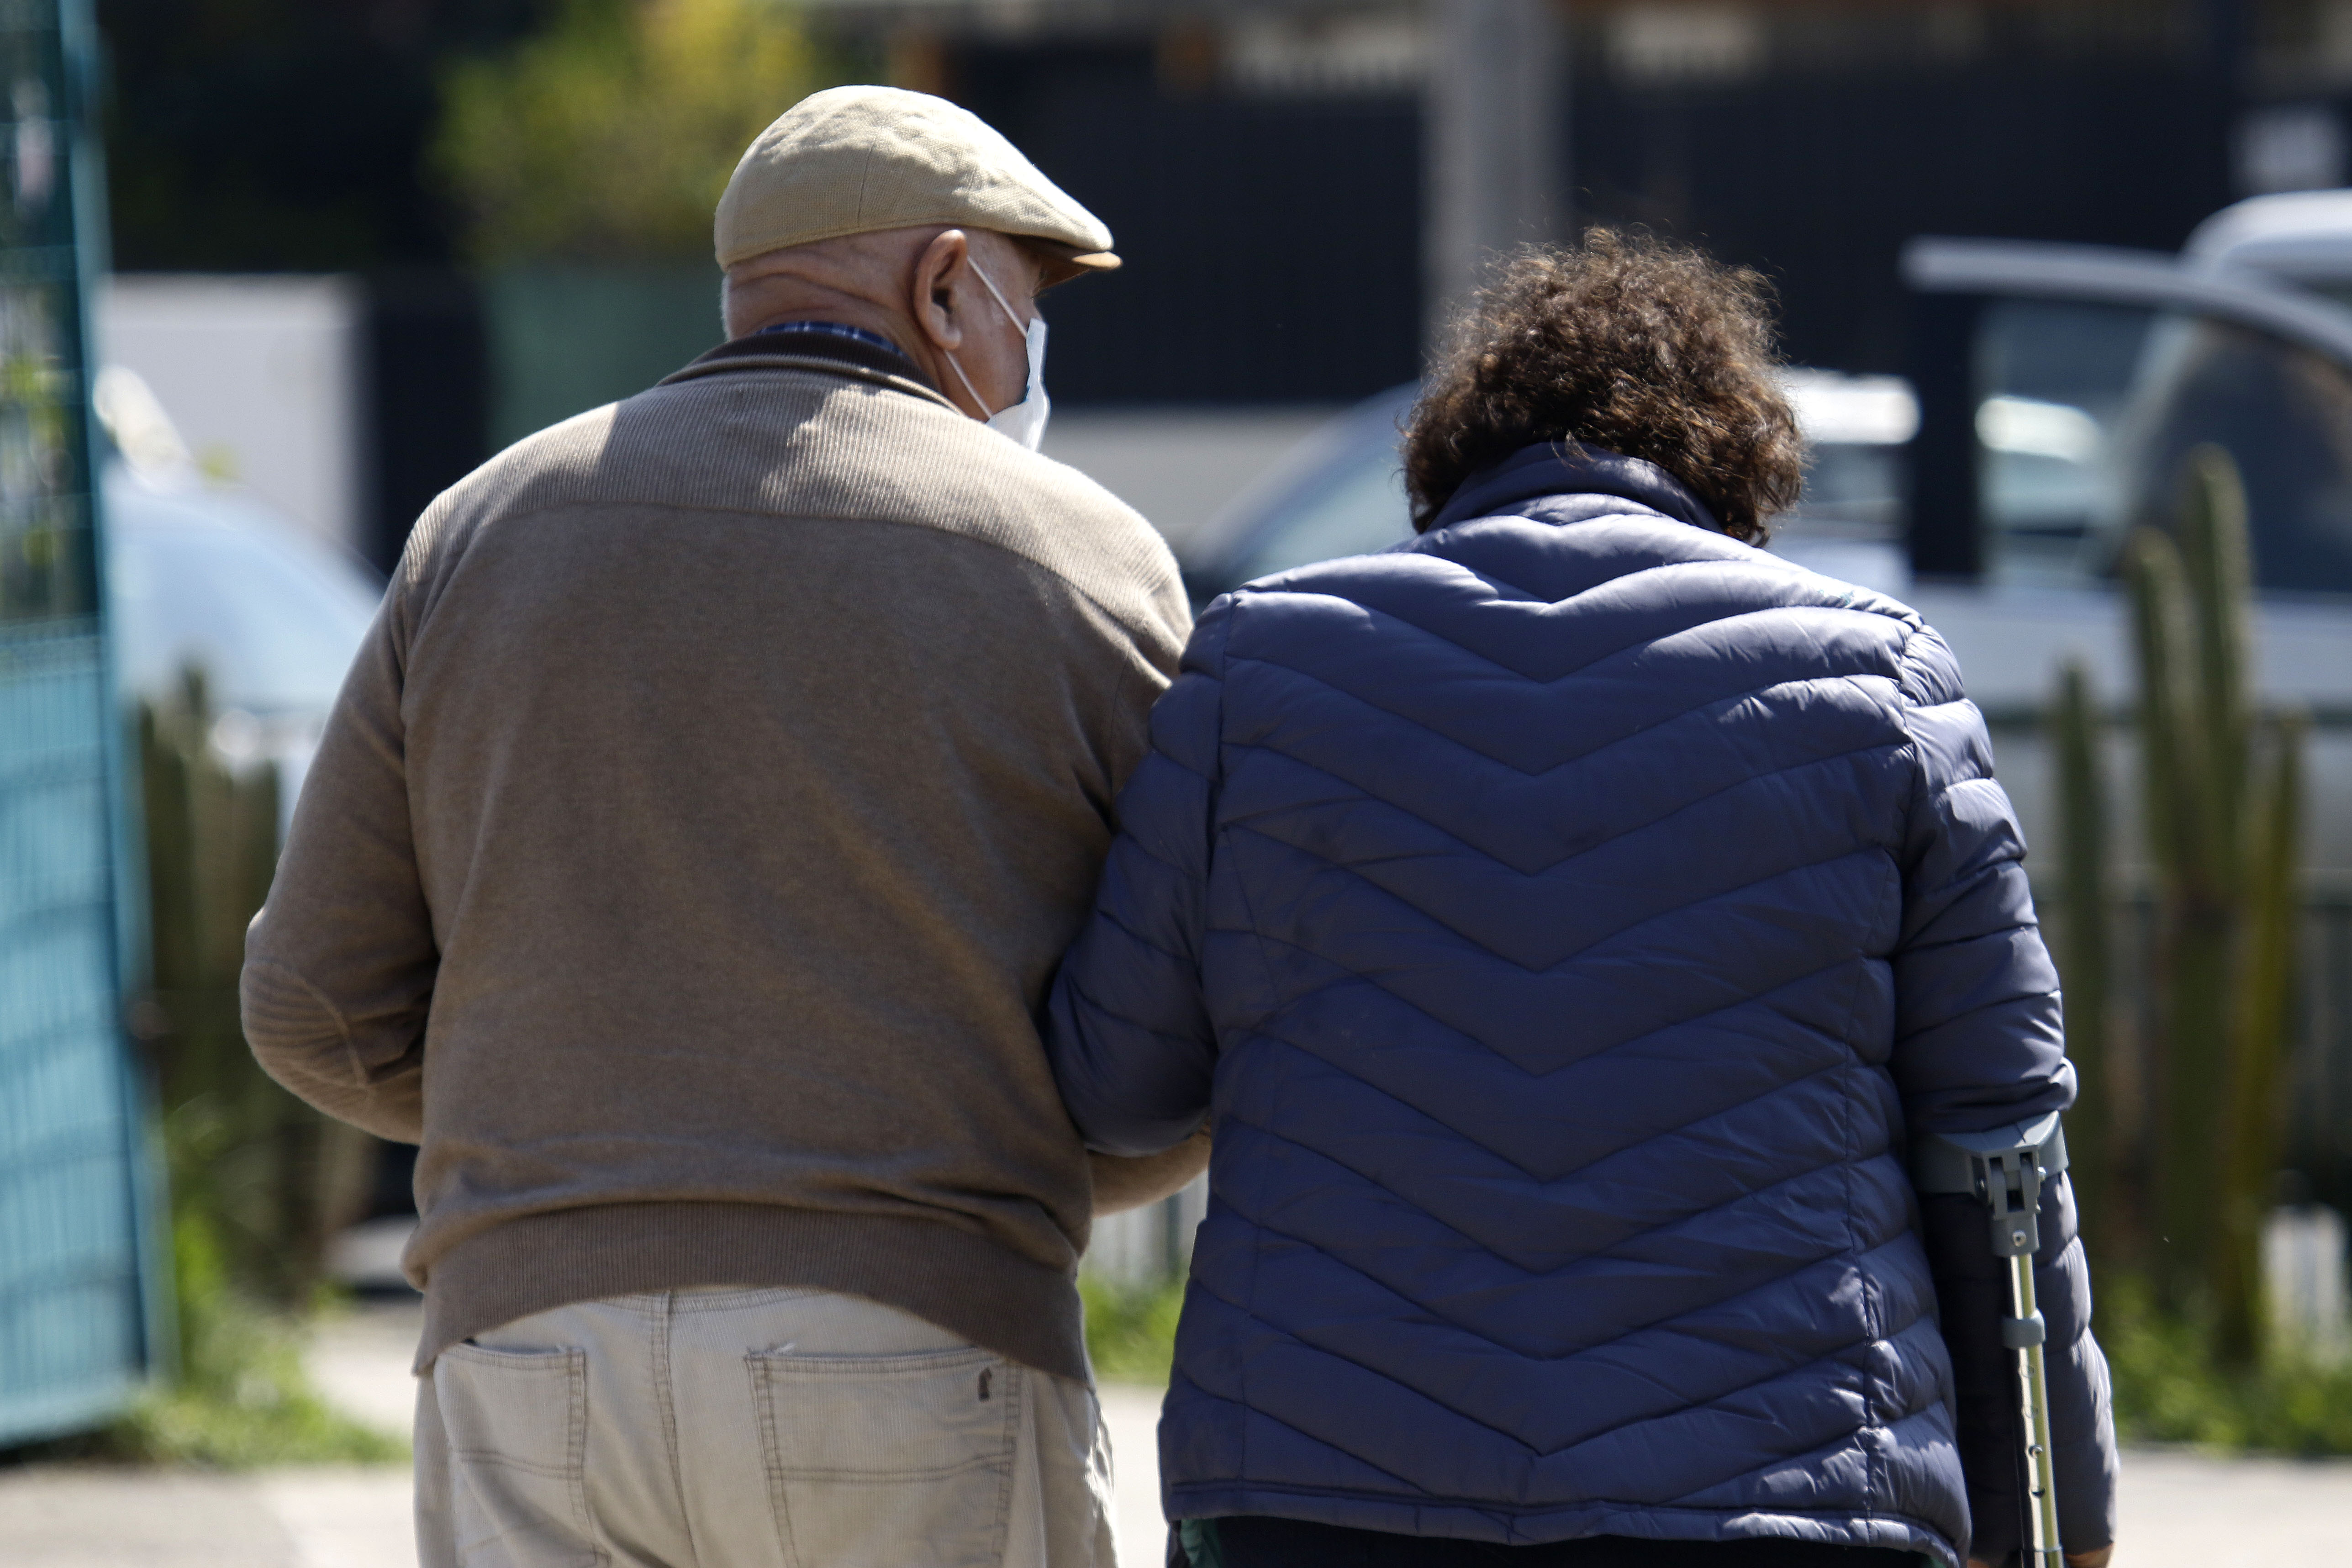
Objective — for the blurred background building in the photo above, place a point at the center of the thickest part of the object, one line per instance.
(1301, 187)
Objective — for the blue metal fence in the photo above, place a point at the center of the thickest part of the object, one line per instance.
(76, 1290)
(73, 1335)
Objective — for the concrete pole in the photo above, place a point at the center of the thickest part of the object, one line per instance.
(1495, 137)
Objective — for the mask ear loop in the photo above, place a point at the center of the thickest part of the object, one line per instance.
(982, 403)
(1011, 315)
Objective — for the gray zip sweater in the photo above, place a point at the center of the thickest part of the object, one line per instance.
(688, 855)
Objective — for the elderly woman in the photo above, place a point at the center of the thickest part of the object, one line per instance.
(1565, 920)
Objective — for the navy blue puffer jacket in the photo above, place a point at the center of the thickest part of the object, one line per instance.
(1564, 920)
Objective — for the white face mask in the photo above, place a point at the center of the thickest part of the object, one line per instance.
(1023, 421)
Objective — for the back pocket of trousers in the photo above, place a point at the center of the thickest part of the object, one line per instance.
(889, 1461)
(517, 1422)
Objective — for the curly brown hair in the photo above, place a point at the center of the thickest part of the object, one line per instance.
(1625, 343)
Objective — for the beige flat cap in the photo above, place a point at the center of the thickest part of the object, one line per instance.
(852, 159)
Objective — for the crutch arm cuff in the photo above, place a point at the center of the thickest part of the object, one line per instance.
(1958, 1162)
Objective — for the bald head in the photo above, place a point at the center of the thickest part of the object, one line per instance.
(920, 288)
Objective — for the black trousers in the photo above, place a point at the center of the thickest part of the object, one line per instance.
(1253, 1541)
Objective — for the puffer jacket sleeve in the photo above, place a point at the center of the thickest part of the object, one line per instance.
(1127, 1027)
(1978, 1043)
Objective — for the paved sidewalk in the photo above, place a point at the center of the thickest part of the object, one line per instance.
(2180, 1510)
(92, 1517)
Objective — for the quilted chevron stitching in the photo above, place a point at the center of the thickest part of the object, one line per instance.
(1530, 596)
(1728, 700)
(1486, 576)
(1650, 1036)
(1583, 673)
(1788, 1370)
(1083, 995)
(1743, 782)
(1945, 1022)
(1595, 670)
(1137, 937)
(1676, 1130)
(1378, 1186)
(1556, 964)
(1350, 976)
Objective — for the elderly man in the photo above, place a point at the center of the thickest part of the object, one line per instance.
(684, 865)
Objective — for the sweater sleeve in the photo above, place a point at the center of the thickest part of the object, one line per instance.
(1127, 1026)
(339, 964)
(1979, 1044)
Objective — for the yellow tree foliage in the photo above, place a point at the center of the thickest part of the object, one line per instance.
(610, 134)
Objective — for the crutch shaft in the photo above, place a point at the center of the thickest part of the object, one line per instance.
(2042, 1547)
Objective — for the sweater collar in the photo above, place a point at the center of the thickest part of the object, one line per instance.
(1563, 467)
(842, 355)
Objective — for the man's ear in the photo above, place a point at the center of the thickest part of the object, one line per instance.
(939, 272)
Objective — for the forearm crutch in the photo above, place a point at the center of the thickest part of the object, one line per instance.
(2005, 1169)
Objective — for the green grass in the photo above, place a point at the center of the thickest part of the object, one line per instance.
(2168, 1390)
(242, 1399)
(1131, 1331)
(267, 1423)
(252, 1406)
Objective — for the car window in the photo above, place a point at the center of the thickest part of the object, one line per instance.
(1854, 428)
(2054, 378)
(2088, 411)
(1855, 483)
(2283, 411)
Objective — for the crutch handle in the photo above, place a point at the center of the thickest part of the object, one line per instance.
(2002, 1168)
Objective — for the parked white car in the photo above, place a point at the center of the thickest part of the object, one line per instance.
(201, 576)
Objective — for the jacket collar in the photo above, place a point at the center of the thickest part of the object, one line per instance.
(1548, 469)
(814, 351)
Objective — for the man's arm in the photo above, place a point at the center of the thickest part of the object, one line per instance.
(1121, 1183)
(1979, 1044)
(339, 964)
(1127, 1028)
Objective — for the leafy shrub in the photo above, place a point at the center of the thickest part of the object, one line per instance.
(242, 1400)
(1131, 1329)
(2170, 1389)
(609, 135)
